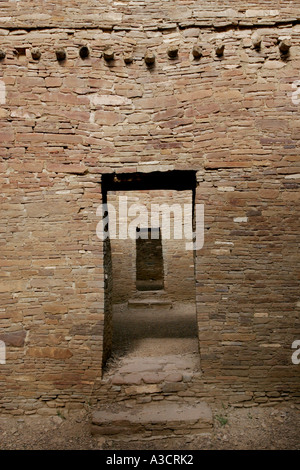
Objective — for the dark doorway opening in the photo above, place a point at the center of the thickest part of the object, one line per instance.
(149, 259)
(151, 324)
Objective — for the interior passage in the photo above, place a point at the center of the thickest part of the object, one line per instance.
(154, 331)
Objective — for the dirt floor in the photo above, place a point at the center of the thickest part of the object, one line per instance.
(234, 428)
(167, 333)
(154, 331)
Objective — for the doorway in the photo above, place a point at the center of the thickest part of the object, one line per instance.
(149, 259)
(153, 283)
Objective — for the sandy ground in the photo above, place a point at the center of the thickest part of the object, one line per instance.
(256, 428)
(154, 331)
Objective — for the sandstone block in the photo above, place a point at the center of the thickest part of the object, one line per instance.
(55, 309)
(128, 58)
(173, 387)
(197, 52)
(48, 352)
(15, 338)
(127, 379)
(52, 82)
(173, 52)
(77, 169)
(36, 53)
(153, 378)
(108, 118)
(284, 46)
(109, 54)
(175, 377)
(136, 390)
(150, 58)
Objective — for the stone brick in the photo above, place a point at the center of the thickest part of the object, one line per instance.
(175, 377)
(14, 338)
(31, 167)
(127, 379)
(238, 337)
(13, 286)
(194, 95)
(6, 136)
(173, 387)
(48, 352)
(52, 82)
(55, 309)
(141, 389)
(152, 378)
(108, 100)
(108, 118)
(67, 168)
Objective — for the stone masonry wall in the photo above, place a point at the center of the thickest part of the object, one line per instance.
(247, 279)
(233, 118)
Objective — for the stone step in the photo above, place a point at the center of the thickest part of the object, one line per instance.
(155, 370)
(150, 303)
(140, 294)
(153, 420)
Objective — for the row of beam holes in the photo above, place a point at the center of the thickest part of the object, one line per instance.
(109, 55)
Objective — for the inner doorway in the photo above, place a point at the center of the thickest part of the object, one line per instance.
(149, 259)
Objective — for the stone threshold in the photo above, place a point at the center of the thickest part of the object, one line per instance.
(172, 369)
(149, 303)
(153, 419)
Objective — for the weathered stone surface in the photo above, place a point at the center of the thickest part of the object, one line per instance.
(88, 329)
(150, 58)
(61, 55)
(175, 377)
(108, 100)
(51, 353)
(152, 378)
(256, 40)
(197, 52)
(173, 387)
(128, 58)
(36, 53)
(67, 168)
(159, 417)
(127, 379)
(141, 389)
(108, 118)
(108, 54)
(55, 309)
(14, 338)
(173, 52)
(284, 46)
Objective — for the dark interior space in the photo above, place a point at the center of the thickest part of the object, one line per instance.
(149, 260)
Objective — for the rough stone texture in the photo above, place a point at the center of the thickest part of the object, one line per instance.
(62, 125)
(156, 418)
(15, 338)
